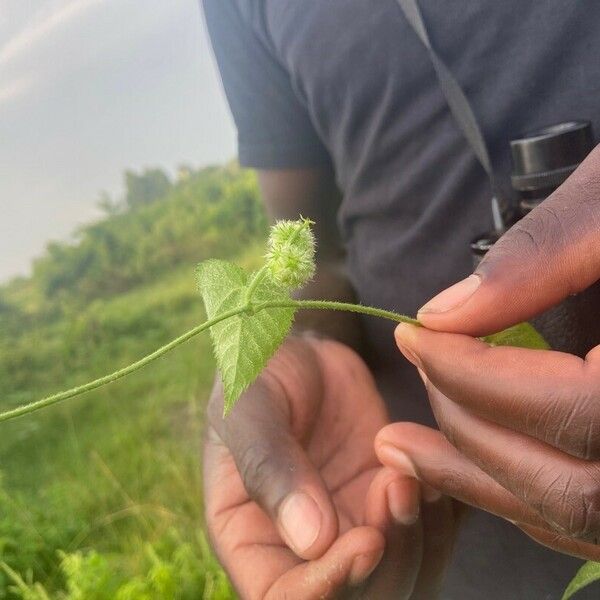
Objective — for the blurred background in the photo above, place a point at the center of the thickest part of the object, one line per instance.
(116, 178)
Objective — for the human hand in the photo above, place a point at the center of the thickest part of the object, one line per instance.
(521, 427)
(297, 504)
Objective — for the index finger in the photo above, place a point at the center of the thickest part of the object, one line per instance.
(547, 395)
(550, 254)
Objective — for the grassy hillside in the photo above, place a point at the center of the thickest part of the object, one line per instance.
(101, 498)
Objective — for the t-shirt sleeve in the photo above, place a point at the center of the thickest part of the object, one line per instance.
(274, 128)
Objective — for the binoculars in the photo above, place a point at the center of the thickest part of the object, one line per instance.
(541, 161)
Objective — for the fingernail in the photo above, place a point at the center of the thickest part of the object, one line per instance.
(452, 297)
(391, 456)
(405, 339)
(404, 505)
(362, 567)
(300, 520)
(424, 377)
(430, 494)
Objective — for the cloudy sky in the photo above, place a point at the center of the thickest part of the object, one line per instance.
(87, 89)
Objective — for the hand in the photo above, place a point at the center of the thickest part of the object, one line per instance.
(522, 427)
(297, 504)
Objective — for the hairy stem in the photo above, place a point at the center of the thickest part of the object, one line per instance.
(254, 283)
(245, 308)
(92, 385)
(331, 305)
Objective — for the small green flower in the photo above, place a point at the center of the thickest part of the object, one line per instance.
(290, 254)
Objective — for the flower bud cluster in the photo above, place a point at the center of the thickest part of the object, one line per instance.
(290, 257)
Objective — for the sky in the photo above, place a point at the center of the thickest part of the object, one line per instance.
(89, 88)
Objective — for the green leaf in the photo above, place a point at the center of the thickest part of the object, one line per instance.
(243, 343)
(522, 336)
(589, 573)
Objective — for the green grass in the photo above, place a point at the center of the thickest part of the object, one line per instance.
(101, 497)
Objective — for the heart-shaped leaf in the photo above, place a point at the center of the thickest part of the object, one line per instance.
(243, 343)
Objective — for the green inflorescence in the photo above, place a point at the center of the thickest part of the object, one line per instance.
(290, 258)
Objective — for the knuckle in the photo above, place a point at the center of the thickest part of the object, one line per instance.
(588, 514)
(578, 511)
(574, 431)
(590, 436)
(591, 513)
(585, 423)
(258, 468)
(538, 232)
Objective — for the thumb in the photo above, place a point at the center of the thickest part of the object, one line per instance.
(550, 254)
(272, 464)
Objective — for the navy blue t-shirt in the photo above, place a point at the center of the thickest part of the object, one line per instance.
(348, 83)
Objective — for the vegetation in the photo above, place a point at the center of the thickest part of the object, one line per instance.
(102, 497)
(103, 501)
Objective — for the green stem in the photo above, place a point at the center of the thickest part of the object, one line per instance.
(332, 305)
(247, 307)
(92, 385)
(254, 283)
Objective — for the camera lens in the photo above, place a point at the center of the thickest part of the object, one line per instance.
(544, 158)
(541, 161)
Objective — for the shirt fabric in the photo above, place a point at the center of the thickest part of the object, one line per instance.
(348, 83)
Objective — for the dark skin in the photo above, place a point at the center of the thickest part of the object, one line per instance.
(297, 504)
(521, 428)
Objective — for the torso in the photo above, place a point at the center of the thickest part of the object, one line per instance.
(414, 194)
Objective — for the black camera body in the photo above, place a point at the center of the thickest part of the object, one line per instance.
(542, 160)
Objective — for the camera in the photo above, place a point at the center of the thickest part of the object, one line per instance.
(541, 161)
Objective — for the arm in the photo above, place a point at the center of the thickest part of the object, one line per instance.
(312, 193)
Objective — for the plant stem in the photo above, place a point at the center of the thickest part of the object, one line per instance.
(255, 281)
(245, 308)
(92, 385)
(332, 305)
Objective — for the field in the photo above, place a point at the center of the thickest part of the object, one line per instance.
(101, 497)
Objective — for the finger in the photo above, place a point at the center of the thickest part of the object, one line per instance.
(549, 395)
(277, 474)
(346, 565)
(260, 566)
(561, 543)
(551, 253)
(393, 506)
(236, 523)
(563, 490)
(408, 446)
(438, 539)
(274, 468)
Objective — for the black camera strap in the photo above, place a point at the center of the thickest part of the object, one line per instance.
(457, 101)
